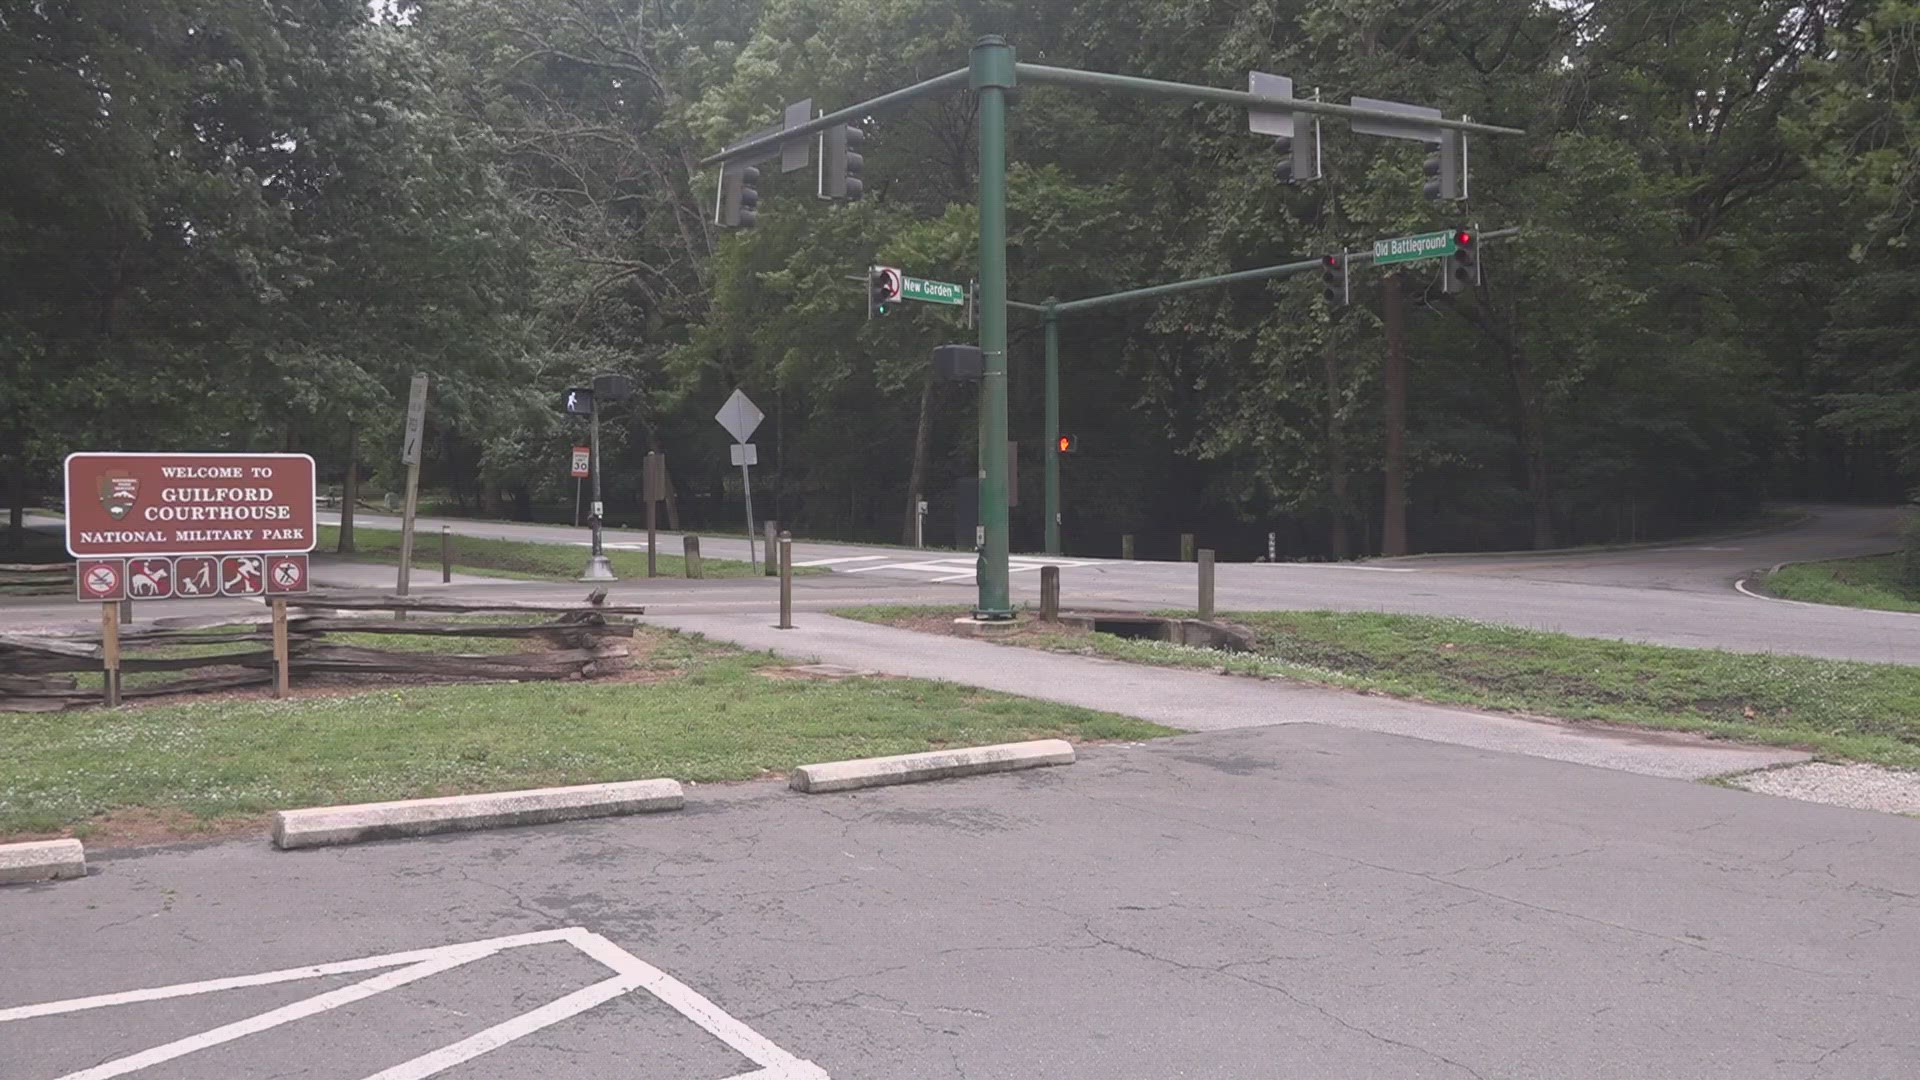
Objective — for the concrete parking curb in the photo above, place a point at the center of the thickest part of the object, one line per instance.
(327, 825)
(936, 765)
(42, 860)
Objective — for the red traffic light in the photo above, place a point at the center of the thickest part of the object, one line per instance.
(1462, 238)
(1331, 262)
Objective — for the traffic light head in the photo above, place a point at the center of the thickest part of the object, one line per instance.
(1298, 157)
(739, 197)
(1066, 444)
(1463, 266)
(1445, 168)
(1334, 284)
(883, 289)
(840, 162)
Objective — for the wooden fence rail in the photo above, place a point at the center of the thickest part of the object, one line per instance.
(37, 673)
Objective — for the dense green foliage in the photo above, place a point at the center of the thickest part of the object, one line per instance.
(243, 225)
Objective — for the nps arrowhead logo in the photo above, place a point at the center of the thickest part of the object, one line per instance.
(119, 491)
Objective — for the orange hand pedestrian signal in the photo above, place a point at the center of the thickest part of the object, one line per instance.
(1066, 444)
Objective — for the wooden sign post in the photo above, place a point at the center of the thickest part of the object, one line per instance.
(110, 650)
(279, 646)
(653, 484)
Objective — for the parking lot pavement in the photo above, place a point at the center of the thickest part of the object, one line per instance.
(1282, 901)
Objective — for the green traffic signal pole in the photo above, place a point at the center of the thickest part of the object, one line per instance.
(1052, 448)
(991, 76)
(990, 73)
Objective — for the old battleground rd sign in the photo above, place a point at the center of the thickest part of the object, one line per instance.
(132, 505)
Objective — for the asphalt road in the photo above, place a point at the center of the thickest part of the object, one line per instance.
(1680, 595)
(1280, 901)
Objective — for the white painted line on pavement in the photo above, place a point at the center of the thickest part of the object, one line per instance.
(630, 974)
(501, 1034)
(1741, 586)
(310, 971)
(286, 1014)
(837, 562)
(1348, 566)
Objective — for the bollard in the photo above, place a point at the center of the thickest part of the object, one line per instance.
(773, 545)
(1273, 548)
(690, 554)
(1186, 547)
(1049, 594)
(786, 581)
(446, 554)
(1126, 546)
(1206, 584)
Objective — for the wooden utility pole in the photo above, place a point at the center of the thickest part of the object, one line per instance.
(410, 457)
(1393, 515)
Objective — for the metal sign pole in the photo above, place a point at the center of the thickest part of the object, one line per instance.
(598, 569)
(746, 486)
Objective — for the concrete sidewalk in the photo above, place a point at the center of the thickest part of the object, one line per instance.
(1198, 701)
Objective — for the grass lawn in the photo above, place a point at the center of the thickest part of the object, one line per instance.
(515, 558)
(1863, 712)
(701, 712)
(1876, 581)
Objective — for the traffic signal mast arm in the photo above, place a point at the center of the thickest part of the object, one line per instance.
(852, 114)
(955, 80)
(1042, 73)
(1093, 303)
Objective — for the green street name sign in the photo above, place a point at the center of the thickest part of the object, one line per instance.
(1413, 248)
(933, 292)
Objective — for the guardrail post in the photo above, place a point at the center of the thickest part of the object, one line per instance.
(690, 554)
(1126, 546)
(1186, 547)
(1206, 584)
(1050, 594)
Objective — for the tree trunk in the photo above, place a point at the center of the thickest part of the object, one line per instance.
(917, 476)
(1533, 444)
(1393, 513)
(16, 507)
(1337, 538)
(1529, 413)
(350, 488)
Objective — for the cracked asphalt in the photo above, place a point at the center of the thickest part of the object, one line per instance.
(1296, 900)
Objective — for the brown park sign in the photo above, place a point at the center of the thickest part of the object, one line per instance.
(127, 505)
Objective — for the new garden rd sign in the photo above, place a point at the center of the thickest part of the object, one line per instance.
(130, 505)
